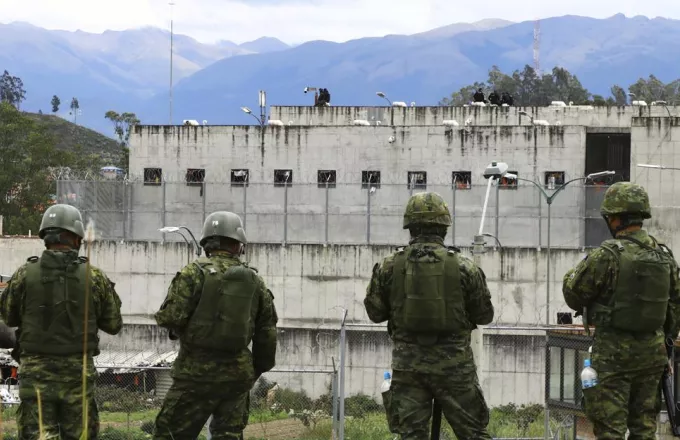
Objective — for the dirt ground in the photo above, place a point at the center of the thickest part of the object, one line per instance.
(287, 429)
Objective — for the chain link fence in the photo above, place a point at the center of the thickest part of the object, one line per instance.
(338, 213)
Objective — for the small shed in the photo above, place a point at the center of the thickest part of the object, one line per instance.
(142, 371)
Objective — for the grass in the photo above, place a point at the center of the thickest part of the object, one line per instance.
(70, 136)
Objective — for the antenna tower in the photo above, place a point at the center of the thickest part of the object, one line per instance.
(537, 46)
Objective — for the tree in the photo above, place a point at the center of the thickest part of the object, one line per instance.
(75, 107)
(619, 95)
(12, 90)
(27, 153)
(652, 89)
(56, 102)
(122, 124)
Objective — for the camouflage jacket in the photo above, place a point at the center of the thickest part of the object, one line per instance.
(452, 355)
(61, 368)
(593, 280)
(204, 365)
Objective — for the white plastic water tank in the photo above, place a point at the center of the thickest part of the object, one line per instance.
(640, 103)
(399, 104)
(541, 122)
(190, 122)
(275, 122)
(558, 104)
(361, 122)
(451, 122)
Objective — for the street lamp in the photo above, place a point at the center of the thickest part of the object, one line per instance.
(659, 167)
(549, 200)
(248, 111)
(177, 229)
(522, 112)
(383, 96)
(495, 171)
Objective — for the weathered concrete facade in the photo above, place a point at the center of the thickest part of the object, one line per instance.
(312, 284)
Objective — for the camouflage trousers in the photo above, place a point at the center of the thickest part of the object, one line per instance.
(189, 404)
(60, 410)
(625, 400)
(461, 399)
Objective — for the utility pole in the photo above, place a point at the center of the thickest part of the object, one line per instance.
(537, 47)
(171, 53)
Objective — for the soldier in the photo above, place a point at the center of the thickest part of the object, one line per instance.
(47, 299)
(216, 306)
(432, 298)
(629, 287)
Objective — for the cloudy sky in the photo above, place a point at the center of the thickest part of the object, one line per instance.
(295, 21)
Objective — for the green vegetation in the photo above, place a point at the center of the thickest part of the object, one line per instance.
(78, 139)
(529, 89)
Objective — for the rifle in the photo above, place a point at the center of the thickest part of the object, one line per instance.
(667, 388)
(436, 420)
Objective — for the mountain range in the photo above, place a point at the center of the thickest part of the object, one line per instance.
(128, 71)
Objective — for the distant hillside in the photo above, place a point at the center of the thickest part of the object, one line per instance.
(70, 136)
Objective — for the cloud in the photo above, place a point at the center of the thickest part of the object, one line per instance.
(296, 21)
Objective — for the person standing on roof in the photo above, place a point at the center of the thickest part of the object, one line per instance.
(216, 306)
(630, 290)
(432, 297)
(56, 300)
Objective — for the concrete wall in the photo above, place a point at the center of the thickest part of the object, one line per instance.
(312, 284)
(307, 213)
(657, 141)
(502, 116)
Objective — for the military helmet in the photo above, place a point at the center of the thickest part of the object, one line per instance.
(626, 198)
(62, 216)
(223, 224)
(428, 208)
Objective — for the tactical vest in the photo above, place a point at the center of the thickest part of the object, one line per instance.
(54, 308)
(427, 291)
(640, 298)
(223, 320)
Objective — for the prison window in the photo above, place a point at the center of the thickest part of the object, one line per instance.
(153, 176)
(417, 179)
(239, 177)
(461, 179)
(325, 178)
(195, 176)
(509, 182)
(283, 177)
(554, 179)
(370, 179)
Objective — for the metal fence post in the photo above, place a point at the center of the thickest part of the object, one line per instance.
(498, 203)
(285, 213)
(163, 213)
(204, 202)
(334, 396)
(326, 219)
(341, 380)
(245, 201)
(540, 221)
(368, 214)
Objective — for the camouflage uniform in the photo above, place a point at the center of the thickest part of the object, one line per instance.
(58, 377)
(427, 365)
(629, 363)
(210, 381)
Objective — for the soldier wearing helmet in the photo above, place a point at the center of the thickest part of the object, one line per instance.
(432, 297)
(216, 306)
(629, 289)
(47, 299)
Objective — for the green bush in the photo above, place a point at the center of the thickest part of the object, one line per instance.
(116, 399)
(361, 404)
(288, 399)
(110, 433)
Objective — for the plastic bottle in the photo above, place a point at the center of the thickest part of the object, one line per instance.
(386, 383)
(588, 375)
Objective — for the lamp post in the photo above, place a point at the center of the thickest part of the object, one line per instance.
(659, 167)
(549, 200)
(383, 96)
(250, 112)
(178, 230)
